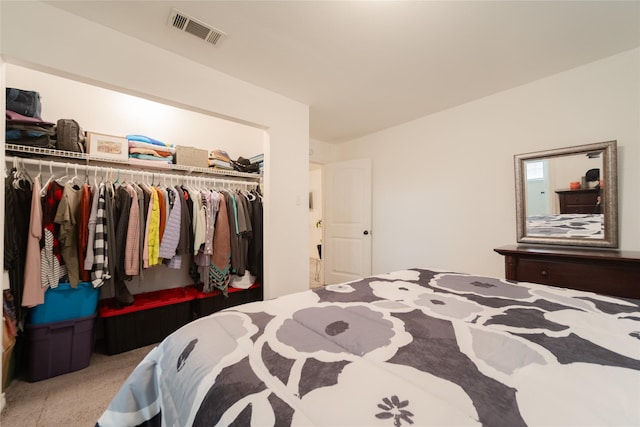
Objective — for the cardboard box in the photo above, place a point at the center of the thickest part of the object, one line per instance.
(7, 350)
(107, 147)
(189, 156)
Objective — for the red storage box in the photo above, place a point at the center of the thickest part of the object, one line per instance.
(150, 319)
(207, 303)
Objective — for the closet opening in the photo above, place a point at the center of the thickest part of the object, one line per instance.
(111, 113)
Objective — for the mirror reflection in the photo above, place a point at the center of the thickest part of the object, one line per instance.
(564, 197)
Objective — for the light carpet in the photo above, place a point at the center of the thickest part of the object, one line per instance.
(74, 399)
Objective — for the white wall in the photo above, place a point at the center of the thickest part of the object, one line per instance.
(444, 184)
(115, 113)
(45, 38)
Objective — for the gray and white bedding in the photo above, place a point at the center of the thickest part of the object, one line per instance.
(414, 347)
(588, 226)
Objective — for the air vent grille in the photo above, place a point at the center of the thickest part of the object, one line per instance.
(184, 22)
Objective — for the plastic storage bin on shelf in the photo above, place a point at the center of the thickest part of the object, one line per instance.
(60, 347)
(65, 303)
(151, 318)
(207, 303)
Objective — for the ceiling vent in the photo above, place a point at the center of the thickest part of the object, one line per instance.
(184, 22)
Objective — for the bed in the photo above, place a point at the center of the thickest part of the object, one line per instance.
(414, 347)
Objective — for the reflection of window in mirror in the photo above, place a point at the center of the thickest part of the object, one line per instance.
(537, 187)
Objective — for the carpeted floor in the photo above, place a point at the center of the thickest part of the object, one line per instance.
(74, 399)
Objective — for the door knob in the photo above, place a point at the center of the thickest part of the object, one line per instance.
(365, 232)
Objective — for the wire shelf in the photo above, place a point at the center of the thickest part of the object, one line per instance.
(50, 152)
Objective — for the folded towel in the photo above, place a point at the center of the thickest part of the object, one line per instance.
(140, 144)
(215, 163)
(143, 138)
(157, 153)
(220, 155)
(154, 158)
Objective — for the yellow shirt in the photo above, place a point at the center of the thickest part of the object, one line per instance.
(154, 230)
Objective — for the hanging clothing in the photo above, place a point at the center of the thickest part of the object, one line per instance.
(132, 246)
(84, 211)
(123, 208)
(100, 268)
(171, 236)
(67, 218)
(220, 266)
(153, 234)
(107, 290)
(52, 267)
(33, 292)
(184, 243)
(254, 257)
(162, 211)
(91, 226)
(17, 213)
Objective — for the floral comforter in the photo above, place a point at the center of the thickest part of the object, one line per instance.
(414, 347)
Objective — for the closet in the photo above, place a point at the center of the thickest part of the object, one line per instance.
(186, 283)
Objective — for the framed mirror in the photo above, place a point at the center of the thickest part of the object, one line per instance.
(568, 196)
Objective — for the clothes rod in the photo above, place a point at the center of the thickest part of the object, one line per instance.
(116, 173)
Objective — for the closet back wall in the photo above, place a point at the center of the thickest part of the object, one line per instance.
(113, 113)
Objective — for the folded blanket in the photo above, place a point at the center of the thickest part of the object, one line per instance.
(11, 117)
(143, 138)
(154, 158)
(140, 144)
(220, 155)
(157, 153)
(220, 164)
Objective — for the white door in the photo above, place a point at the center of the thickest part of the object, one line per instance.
(346, 250)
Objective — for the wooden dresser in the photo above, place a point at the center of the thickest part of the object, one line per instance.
(607, 272)
(579, 201)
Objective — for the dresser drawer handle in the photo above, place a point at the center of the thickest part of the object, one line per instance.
(544, 273)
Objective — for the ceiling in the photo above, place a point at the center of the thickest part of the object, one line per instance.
(367, 65)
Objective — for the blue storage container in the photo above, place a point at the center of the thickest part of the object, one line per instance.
(66, 303)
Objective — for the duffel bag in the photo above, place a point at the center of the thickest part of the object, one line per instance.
(69, 136)
(25, 102)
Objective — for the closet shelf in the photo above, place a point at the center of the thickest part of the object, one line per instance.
(49, 152)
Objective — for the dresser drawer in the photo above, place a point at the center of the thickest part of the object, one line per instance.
(581, 198)
(592, 277)
(580, 209)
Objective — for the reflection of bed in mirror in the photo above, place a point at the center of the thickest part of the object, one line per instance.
(587, 226)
